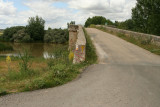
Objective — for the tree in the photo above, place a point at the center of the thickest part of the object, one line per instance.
(128, 24)
(56, 36)
(9, 32)
(35, 28)
(146, 16)
(88, 22)
(71, 23)
(21, 36)
(97, 20)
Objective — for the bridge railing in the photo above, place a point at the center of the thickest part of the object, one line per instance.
(77, 43)
(153, 39)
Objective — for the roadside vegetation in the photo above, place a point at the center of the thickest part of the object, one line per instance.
(26, 73)
(146, 44)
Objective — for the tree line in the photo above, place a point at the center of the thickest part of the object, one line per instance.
(145, 18)
(35, 31)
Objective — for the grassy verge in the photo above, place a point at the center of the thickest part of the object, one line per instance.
(146, 44)
(29, 73)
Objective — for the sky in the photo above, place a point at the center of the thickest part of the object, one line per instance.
(57, 13)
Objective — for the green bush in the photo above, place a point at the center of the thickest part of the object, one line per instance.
(59, 70)
(56, 36)
(37, 83)
(21, 36)
(9, 32)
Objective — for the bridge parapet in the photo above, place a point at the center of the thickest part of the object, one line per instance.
(77, 43)
(153, 39)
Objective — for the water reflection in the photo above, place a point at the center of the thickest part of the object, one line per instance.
(46, 55)
(14, 55)
(35, 49)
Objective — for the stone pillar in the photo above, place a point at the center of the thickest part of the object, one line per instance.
(72, 36)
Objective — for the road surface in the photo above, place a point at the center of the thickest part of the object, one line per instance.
(126, 76)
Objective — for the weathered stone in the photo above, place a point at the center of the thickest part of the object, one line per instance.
(144, 37)
(77, 43)
(72, 36)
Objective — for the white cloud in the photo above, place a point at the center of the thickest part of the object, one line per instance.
(111, 9)
(78, 10)
(7, 8)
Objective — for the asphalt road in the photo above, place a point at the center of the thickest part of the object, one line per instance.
(126, 76)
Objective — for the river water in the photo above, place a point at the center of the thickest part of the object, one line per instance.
(45, 50)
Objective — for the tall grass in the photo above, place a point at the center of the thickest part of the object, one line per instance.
(91, 56)
(25, 70)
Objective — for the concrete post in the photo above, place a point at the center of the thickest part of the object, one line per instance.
(72, 36)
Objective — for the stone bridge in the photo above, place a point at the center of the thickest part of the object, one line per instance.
(77, 43)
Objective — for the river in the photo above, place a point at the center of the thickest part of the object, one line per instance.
(45, 50)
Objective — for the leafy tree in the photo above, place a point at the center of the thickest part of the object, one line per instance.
(56, 36)
(128, 24)
(88, 22)
(97, 20)
(9, 32)
(21, 36)
(146, 16)
(35, 28)
(71, 23)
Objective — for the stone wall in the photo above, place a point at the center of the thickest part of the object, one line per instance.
(77, 43)
(72, 36)
(144, 37)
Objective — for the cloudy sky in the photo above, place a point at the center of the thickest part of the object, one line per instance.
(57, 13)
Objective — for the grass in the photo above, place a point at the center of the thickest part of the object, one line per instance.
(42, 73)
(146, 44)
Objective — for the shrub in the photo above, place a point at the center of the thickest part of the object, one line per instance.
(37, 83)
(56, 36)
(21, 36)
(27, 38)
(9, 32)
(47, 38)
(51, 62)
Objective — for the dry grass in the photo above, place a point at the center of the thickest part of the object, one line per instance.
(16, 86)
(14, 66)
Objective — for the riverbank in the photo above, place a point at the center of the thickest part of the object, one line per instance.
(41, 73)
